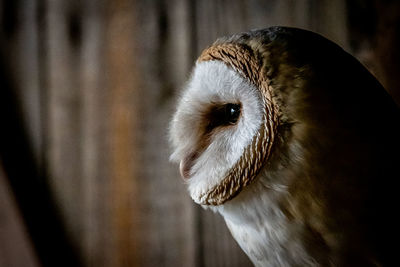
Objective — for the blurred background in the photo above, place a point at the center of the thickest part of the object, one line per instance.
(87, 89)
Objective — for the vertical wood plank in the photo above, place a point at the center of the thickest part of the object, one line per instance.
(123, 122)
(27, 71)
(62, 146)
(96, 209)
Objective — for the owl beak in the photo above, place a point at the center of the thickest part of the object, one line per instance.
(184, 170)
(186, 164)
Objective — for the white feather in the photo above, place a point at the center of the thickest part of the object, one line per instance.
(213, 81)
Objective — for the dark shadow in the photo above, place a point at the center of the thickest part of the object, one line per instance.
(29, 184)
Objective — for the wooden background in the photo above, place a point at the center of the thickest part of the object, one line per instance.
(87, 91)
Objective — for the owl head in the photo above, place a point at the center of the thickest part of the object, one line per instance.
(271, 95)
(224, 126)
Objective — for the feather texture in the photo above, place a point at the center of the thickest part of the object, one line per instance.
(307, 176)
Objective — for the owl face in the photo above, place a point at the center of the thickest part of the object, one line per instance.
(217, 117)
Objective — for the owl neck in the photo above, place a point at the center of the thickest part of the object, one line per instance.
(260, 227)
(287, 223)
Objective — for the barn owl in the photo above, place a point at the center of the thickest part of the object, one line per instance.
(296, 145)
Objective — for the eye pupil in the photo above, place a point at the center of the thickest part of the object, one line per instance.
(232, 112)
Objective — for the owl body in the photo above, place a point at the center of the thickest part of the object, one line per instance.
(296, 145)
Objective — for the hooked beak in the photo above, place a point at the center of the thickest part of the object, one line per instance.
(186, 164)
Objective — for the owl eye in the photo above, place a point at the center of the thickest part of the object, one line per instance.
(232, 113)
(223, 115)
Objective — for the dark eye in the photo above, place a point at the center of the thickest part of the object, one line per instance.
(223, 115)
(232, 113)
